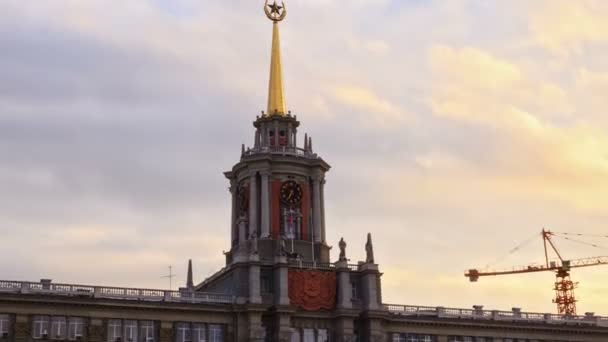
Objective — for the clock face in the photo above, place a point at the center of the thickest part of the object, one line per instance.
(291, 193)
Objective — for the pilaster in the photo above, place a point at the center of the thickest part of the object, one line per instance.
(370, 281)
(21, 328)
(345, 329)
(166, 331)
(265, 204)
(316, 208)
(255, 296)
(281, 281)
(95, 330)
(233, 217)
(255, 327)
(283, 331)
(344, 286)
(253, 203)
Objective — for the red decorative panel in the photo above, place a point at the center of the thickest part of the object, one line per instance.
(312, 290)
(275, 211)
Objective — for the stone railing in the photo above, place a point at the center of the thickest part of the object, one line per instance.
(478, 313)
(282, 150)
(45, 287)
(296, 263)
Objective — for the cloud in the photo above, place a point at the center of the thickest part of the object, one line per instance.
(565, 27)
(376, 109)
(447, 142)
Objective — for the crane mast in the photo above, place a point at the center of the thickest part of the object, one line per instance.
(564, 286)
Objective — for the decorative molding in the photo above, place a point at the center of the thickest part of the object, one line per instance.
(312, 290)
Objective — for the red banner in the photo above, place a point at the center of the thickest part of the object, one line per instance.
(312, 290)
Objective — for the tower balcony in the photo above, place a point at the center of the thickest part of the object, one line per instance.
(280, 150)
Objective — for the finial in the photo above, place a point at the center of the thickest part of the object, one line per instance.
(189, 281)
(275, 12)
(310, 144)
(276, 96)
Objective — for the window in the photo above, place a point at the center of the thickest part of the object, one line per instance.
(309, 335)
(130, 331)
(199, 334)
(469, 339)
(322, 336)
(266, 280)
(59, 328)
(114, 330)
(183, 333)
(41, 327)
(355, 290)
(146, 331)
(295, 335)
(414, 338)
(75, 329)
(216, 333)
(4, 326)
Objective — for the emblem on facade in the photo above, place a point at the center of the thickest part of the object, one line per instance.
(312, 290)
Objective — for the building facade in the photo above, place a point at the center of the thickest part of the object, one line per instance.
(279, 282)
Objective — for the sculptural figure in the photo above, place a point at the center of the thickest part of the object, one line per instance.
(342, 245)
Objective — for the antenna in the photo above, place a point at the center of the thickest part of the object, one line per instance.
(170, 276)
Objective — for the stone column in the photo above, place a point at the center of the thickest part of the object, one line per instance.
(253, 203)
(345, 290)
(316, 208)
(289, 136)
(323, 231)
(242, 228)
(234, 228)
(265, 205)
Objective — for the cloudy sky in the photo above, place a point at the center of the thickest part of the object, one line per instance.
(456, 129)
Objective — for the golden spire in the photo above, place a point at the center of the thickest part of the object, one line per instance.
(276, 97)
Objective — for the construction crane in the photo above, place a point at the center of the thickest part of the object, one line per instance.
(564, 286)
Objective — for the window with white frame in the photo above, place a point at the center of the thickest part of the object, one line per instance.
(216, 333)
(129, 331)
(295, 335)
(183, 332)
(199, 333)
(308, 335)
(75, 328)
(4, 325)
(41, 327)
(59, 328)
(414, 338)
(322, 336)
(114, 330)
(147, 333)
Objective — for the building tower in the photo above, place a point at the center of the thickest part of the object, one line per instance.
(277, 186)
(278, 266)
